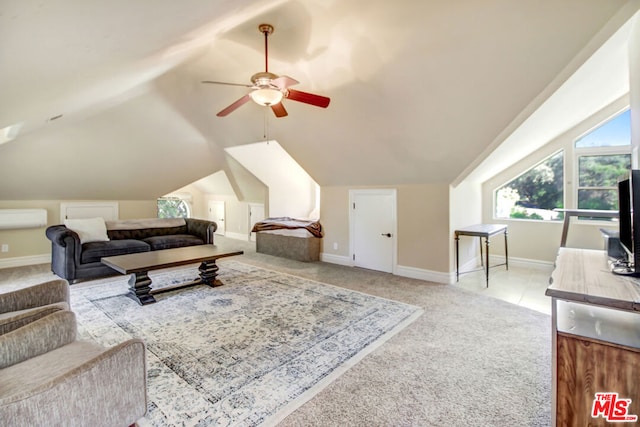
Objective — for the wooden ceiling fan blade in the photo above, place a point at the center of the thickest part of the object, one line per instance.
(231, 108)
(225, 83)
(284, 82)
(308, 98)
(279, 110)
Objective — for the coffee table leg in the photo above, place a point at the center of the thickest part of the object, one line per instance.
(209, 272)
(140, 288)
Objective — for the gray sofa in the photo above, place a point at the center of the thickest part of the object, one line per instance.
(48, 377)
(74, 259)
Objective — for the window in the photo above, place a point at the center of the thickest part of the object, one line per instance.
(603, 156)
(534, 194)
(597, 160)
(598, 177)
(173, 207)
(614, 133)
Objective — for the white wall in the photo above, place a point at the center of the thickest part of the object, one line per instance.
(216, 187)
(292, 192)
(634, 90)
(465, 208)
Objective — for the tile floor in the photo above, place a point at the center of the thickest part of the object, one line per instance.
(519, 285)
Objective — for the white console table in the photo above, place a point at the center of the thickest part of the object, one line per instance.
(596, 336)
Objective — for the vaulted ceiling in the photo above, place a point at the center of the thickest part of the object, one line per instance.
(420, 90)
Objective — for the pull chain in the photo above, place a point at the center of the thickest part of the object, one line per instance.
(266, 125)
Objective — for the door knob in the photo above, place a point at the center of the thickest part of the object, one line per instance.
(386, 234)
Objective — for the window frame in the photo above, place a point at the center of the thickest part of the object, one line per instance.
(562, 151)
(594, 151)
(578, 152)
(184, 200)
(565, 142)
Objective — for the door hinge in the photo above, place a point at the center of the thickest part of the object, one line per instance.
(354, 205)
(354, 257)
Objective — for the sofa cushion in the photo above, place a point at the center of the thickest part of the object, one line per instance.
(16, 319)
(172, 241)
(94, 251)
(20, 380)
(89, 229)
(39, 337)
(143, 233)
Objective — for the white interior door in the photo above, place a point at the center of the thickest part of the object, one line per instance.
(256, 214)
(373, 229)
(216, 213)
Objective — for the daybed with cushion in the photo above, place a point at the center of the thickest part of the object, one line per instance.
(78, 246)
(289, 238)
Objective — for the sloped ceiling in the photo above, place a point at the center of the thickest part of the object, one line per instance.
(418, 90)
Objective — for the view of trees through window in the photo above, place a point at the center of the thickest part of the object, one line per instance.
(172, 207)
(598, 177)
(534, 194)
(601, 158)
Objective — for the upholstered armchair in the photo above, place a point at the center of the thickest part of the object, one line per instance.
(26, 305)
(47, 377)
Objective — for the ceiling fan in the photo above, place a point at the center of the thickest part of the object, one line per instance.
(269, 89)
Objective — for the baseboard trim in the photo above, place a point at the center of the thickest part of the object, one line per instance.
(438, 276)
(24, 261)
(520, 262)
(410, 272)
(427, 275)
(336, 259)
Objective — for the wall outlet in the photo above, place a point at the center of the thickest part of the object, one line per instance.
(5, 248)
(335, 246)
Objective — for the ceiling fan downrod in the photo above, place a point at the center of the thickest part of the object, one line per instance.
(266, 29)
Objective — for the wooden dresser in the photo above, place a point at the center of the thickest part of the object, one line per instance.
(596, 341)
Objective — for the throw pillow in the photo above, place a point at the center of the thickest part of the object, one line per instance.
(89, 230)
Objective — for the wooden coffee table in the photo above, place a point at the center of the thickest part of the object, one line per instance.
(139, 265)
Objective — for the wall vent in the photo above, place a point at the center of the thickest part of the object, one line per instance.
(22, 218)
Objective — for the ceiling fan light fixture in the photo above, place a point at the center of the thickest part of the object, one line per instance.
(266, 96)
(269, 89)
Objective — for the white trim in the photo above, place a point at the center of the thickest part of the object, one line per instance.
(471, 264)
(336, 259)
(441, 277)
(428, 275)
(474, 264)
(85, 209)
(520, 262)
(24, 261)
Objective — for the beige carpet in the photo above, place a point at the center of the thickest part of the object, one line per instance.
(469, 360)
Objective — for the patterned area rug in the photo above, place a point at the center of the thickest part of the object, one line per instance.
(247, 353)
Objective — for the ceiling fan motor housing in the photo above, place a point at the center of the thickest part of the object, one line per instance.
(263, 79)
